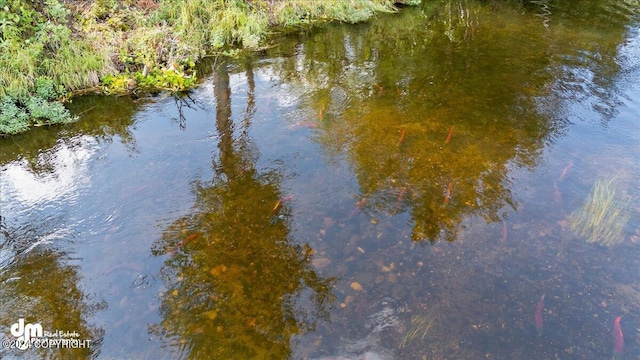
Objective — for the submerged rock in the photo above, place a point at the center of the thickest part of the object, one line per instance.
(382, 321)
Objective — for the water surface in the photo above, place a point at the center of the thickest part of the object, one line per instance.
(400, 189)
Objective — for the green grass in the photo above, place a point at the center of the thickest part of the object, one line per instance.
(38, 42)
(39, 63)
(78, 45)
(301, 12)
(603, 214)
(216, 24)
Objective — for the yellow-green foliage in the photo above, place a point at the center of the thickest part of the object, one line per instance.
(44, 38)
(216, 23)
(603, 215)
(171, 79)
(300, 12)
(37, 41)
(133, 44)
(40, 59)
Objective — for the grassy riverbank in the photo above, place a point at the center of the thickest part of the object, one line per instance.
(53, 49)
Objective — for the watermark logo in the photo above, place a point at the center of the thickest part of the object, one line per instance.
(24, 333)
(28, 335)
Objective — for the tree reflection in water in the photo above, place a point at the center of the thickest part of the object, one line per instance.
(237, 285)
(39, 286)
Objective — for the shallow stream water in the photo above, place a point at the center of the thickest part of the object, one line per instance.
(415, 187)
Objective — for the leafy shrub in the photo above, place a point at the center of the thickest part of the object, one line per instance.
(45, 112)
(13, 119)
(173, 79)
(39, 109)
(36, 38)
(47, 89)
(51, 47)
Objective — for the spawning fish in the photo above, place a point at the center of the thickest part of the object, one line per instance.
(306, 124)
(618, 339)
(356, 210)
(447, 193)
(276, 206)
(449, 136)
(557, 195)
(401, 197)
(504, 232)
(404, 131)
(279, 203)
(538, 315)
(565, 171)
(183, 242)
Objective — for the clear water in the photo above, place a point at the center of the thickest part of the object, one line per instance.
(400, 189)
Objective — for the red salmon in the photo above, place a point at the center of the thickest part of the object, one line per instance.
(307, 124)
(276, 207)
(404, 131)
(447, 193)
(618, 339)
(557, 195)
(321, 112)
(449, 136)
(356, 210)
(279, 203)
(538, 315)
(504, 232)
(401, 197)
(183, 242)
(565, 171)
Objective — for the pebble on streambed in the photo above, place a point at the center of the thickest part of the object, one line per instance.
(356, 286)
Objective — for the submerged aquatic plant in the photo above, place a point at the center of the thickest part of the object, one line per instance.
(420, 326)
(603, 214)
